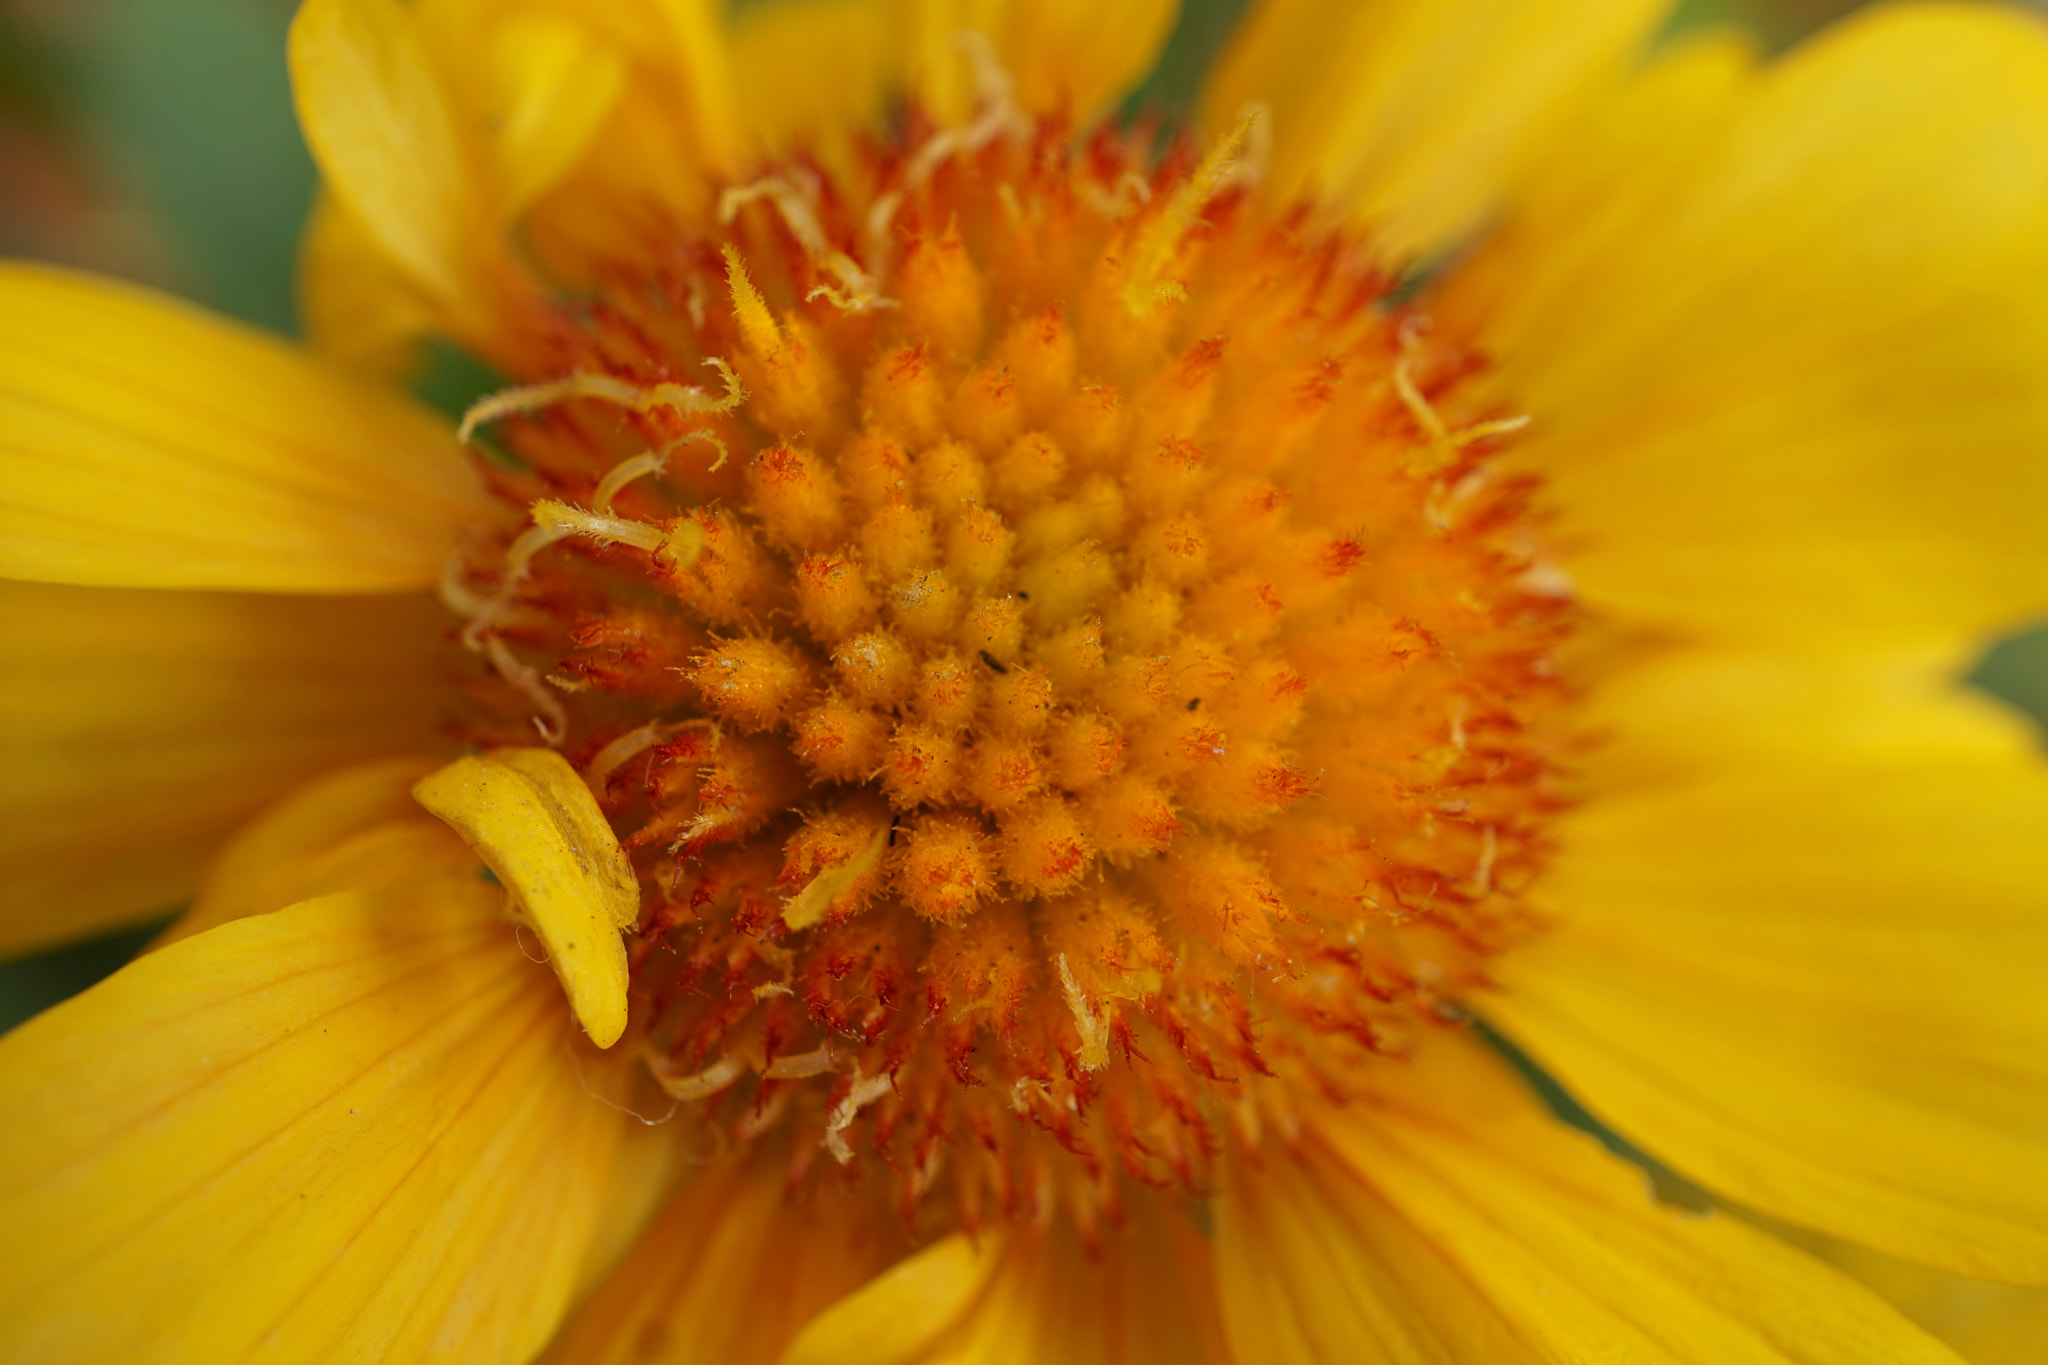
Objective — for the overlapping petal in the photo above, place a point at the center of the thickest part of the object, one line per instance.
(144, 443)
(730, 1271)
(355, 827)
(1450, 1220)
(394, 147)
(141, 727)
(911, 1312)
(1145, 1297)
(355, 307)
(1061, 54)
(814, 71)
(1801, 954)
(1985, 1323)
(349, 1129)
(1415, 116)
(1784, 334)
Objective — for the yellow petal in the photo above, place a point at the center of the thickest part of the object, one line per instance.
(376, 111)
(1802, 954)
(644, 1171)
(529, 816)
(710, 111)
(729, 1272)
(553, 84)
(806, 70)
(639, 167)
(1450, 1220)
(141, 727)
(1077, 56)
(1987, 1324)
(1058, 54)
(895, 1318)
(144, 443)
(1788, 367)
(498, 102)
(1145, 1296)
(347, 1130)
(356, 827)
(1415, 116)
(355, 306)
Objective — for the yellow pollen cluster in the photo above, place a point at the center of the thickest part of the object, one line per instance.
(1052, 638)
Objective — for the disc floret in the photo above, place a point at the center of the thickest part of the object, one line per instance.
(1091, 685)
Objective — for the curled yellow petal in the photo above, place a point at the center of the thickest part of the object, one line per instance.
(901, 1313)
(531, 819)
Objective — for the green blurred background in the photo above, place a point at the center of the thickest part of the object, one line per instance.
(154, 139)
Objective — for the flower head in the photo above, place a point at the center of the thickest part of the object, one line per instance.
(1021, 685)
(988, 669)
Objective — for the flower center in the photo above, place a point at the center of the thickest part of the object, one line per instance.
(1052, 639)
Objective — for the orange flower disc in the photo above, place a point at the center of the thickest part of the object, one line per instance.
(1055, 641)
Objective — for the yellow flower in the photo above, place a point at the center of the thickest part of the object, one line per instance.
(1022, 690)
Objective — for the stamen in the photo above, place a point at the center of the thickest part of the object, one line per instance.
(1094, 1031)
(608, 760)
(809, 905)
(757, 324)
(686, 399)
(1000, 114)
(1489, 849)
(457, 595)
(1131, 192)
(859, 292)
(1250, 168)
(698, 1085)
(611, 530)
(528, 543)
(1152, 254)
(709, 822)
(1440, 437)
(553, 721)
(623, 473)
(814, 1063)
(865, 1091)
(518, 557)
(794, 207)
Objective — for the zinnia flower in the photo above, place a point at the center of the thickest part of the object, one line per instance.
(948, 773)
